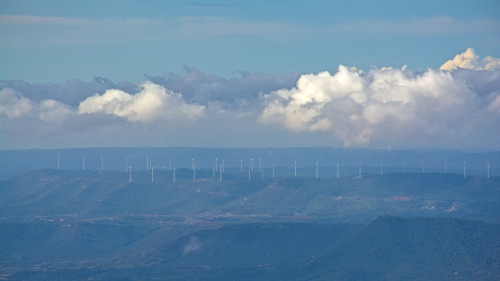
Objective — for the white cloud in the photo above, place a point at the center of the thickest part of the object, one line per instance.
(151, 103)
(389, 106)
(470, 60)
(53, 111)
(13, 104)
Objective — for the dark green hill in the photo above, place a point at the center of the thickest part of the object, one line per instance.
(255, 244)
(388, 248)
(392, 248)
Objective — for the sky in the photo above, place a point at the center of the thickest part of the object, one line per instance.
(372, 74)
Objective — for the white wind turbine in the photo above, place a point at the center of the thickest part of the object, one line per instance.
(58, 156)
(295, 168)
(317, 164)
(194, 171)
(488, 169)
(173, 179)
(338, 169)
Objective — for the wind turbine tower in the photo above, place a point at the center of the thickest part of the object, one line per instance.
(317, 164)
(464, 169)
(130, 174)
(152, 175)
(174, 175)
(359, 169)
(220, 175)
(241, 165)
(337, 169)
(216, 163)
(249, 174)
(381, 171)
(488, 169)
(83, 167)
(102, 163)
(58, 156)
(295, 168)
(194, 171)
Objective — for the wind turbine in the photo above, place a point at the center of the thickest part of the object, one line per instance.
(359, 169)
(102, 163)
(338, 169)
(147, 163)
(152, 174)
(317, 164)
(251, 163)
(216, 163)
(174, 175)
(241, 165)
(295, 168)
(381, 171)
(83, 167)
(58, 156)
(488, 169)
(464, 169)
(249, 174)
(220, 175)
(126, 164)
(194, 171)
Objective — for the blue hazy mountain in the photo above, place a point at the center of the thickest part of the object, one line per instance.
(240, 222)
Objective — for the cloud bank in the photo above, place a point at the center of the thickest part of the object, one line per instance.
(455, 106)
(386, 106)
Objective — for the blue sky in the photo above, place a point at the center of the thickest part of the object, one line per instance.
(376, 74)
(51, 41)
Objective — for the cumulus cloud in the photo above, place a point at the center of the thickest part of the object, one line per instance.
(151, 102)
(13, 104)
(389, 106)
(470, 60)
